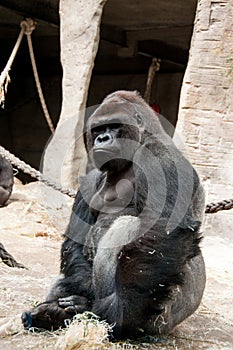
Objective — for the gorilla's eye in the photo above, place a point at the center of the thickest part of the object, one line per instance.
(112, 127)
(139, 119)
(98, 129)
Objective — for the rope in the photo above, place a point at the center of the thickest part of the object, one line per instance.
(154, 67)
(34, 173)
(8, 259)
(211, 208)
(29, 25)
(4, 77)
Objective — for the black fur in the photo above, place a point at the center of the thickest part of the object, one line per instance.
(6, 180)
(131, 253)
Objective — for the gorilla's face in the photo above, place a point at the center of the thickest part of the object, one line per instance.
(106, 145)
(113, 142)
(114, 145)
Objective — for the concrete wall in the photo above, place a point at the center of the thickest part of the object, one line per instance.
(206, 109)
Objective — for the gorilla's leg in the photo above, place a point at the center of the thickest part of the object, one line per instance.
(137, 281)
(184, 299)
(71, 294)
(113, 301)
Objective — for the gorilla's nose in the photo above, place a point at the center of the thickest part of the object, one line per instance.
(103, 139)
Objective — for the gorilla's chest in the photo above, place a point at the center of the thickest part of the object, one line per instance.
(114, 195)
(111, 201)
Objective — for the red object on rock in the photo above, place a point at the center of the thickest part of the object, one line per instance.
(155, 107)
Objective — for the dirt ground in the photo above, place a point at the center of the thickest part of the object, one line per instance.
(30, 235)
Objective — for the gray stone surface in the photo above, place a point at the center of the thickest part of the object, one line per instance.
(206, 110)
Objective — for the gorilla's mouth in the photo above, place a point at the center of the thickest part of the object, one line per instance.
(104, 150)
(102, 156)
(109, 159)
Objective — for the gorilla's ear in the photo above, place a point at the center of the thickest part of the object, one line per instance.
(86, 141)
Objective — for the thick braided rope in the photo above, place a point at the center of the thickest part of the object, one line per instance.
(34, 173)
(212, 208)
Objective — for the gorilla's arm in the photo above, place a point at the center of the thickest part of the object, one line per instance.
(76, 270)
(76, 273)
(72, 293)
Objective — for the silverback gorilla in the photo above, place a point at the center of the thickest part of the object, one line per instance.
(131, 251)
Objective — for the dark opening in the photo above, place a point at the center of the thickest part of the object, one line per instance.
(23, 128)
(132, 33)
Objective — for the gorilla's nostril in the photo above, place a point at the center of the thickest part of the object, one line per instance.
(105, 138)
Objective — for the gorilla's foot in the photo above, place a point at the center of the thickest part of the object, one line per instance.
(47, 316)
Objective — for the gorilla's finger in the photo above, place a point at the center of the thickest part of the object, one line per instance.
(65, 303)
(76, 309)
(72, 300)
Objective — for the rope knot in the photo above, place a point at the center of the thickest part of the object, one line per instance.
(28, 25)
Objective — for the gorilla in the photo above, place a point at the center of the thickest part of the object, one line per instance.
(131, 251)
(6, 180)
(6, 185)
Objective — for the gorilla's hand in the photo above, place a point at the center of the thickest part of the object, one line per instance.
(74, 304)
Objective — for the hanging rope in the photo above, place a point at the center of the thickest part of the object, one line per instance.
(34, 173)
(211, 208)
(154, 67)
(4, 77)
(27, 27)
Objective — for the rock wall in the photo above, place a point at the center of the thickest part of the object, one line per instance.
(206, 109)
(79, 30)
